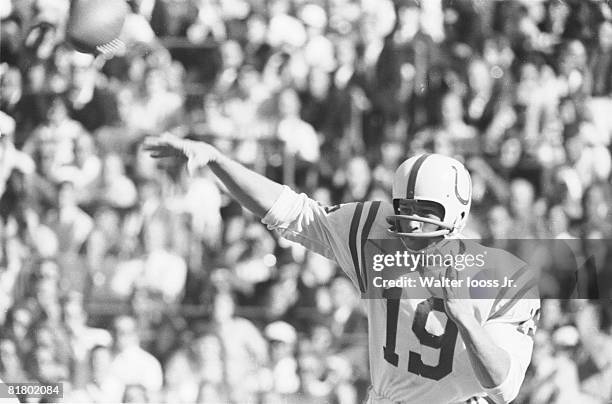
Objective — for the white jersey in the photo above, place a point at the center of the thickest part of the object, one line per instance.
(416, 353)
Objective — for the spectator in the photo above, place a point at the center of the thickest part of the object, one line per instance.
(243, 348)
(92, 103)
(117, 190)
(155, 106)
(72, 227)
(88, 169)
(300, 138)
(130, 363)
(58, 133)
(192, 365)
(82, 339)
(282, 338)
(213, 385)
(601, 63)
(135, 393)
(102, 384)
(453, 137)
(155, 276)
(11, 368)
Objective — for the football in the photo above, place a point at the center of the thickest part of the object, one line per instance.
(94, 26)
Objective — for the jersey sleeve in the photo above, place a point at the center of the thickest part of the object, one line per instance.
(519, 301)
(512, 321)
(338, 232)
(518, 343)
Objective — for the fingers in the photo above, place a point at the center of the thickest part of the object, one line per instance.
(162, 146)
(151, 144)
(160, 154)
(164, 138)
(456, 286)
(99, 62)
(157, 142)
(156, 149)
(192, 167)
(450, 290)
(441, 277)
(450, 273)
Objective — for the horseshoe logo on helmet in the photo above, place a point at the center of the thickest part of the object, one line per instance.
(464, 201)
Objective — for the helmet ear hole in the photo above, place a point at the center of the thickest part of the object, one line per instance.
(396, 206)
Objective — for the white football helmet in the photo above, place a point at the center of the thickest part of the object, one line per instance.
(436, 179)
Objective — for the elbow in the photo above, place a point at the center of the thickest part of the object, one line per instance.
(507, 390)
(502, 398)
(503, 394)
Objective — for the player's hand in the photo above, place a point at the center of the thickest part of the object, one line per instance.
(197, 154)
(457, 301)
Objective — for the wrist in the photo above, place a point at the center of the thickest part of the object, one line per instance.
(216, 156)
(459, 310)
(199, 153)
(465, 320)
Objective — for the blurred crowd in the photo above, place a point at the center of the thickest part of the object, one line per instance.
(129, 280)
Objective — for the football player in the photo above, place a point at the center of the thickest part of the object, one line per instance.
(442, 349)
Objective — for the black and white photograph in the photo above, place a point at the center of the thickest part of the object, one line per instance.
(306, 201)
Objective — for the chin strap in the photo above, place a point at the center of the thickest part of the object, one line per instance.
(393, 220)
